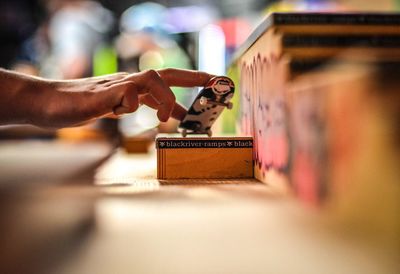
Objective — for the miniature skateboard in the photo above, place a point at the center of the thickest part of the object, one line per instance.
(207, 106)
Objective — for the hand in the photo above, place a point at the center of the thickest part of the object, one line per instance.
(152, 88)
(74, 102)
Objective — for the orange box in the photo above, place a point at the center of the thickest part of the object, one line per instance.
(204, 157)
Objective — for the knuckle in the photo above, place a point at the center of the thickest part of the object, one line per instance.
(151, 78)
(151, 73)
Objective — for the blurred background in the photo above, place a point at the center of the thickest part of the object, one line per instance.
(66, 39)
(38, 35)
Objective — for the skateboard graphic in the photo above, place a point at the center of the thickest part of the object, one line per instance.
(208, 105)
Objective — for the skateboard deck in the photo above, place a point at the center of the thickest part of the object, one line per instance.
(208, 105)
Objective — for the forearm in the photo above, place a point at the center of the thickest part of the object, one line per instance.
(21, 97)
(49, 103)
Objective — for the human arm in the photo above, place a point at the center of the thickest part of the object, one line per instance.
(50, 103)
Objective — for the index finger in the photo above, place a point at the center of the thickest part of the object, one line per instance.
(184, 78)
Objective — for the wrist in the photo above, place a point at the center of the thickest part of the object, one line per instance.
(19, 97)
(36, 93)
(63, 104)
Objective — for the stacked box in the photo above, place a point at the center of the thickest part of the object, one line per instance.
(283, 48)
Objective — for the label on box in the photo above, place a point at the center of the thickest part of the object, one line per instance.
(165, 143)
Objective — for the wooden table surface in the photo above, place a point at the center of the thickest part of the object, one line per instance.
(62, 214)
